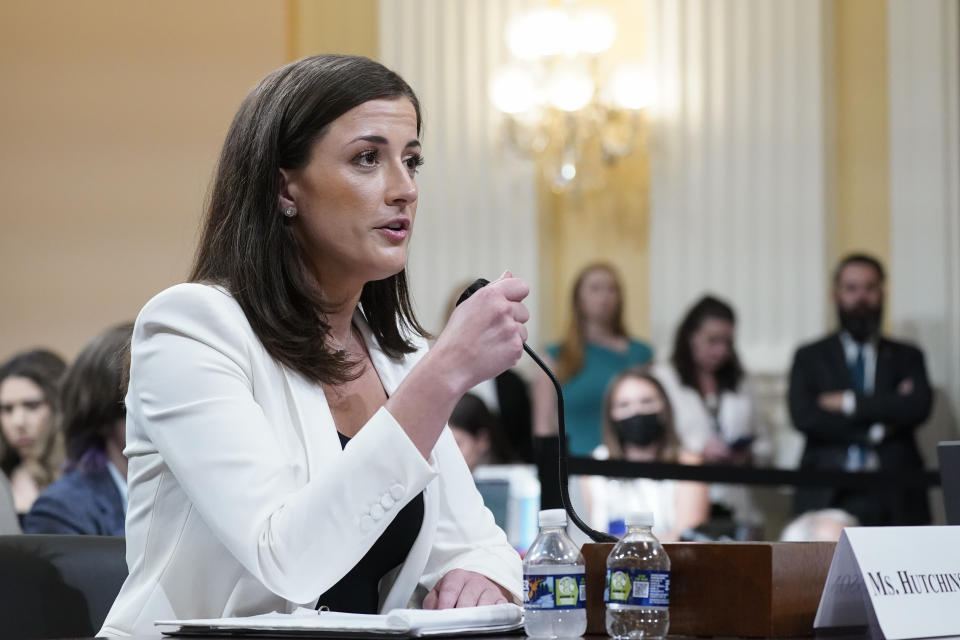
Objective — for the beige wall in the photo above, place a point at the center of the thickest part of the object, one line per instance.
(863, 141)
(333, 26)
(112, 114)
(111, 119)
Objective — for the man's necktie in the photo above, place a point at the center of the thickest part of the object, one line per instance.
(859, 372)
(856, 454)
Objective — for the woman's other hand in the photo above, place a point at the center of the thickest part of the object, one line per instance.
(485, 334)
(461, 588)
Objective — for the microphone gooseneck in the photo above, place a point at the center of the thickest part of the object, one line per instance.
(596, 536)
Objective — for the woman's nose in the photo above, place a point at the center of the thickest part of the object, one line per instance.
(401, 187)
(16, 418)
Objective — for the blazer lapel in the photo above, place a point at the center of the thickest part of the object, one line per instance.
(311, 417)
(884, 380)
(838, 363)
(390, 371)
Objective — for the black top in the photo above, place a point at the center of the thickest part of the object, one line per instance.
(357, 591)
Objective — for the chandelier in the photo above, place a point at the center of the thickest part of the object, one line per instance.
(558, 105)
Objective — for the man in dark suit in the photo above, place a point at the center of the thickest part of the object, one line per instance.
(858, 396)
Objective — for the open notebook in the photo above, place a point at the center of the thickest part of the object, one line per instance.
(415, 623)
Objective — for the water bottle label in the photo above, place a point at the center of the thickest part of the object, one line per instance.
(637, 587)
(559, 591)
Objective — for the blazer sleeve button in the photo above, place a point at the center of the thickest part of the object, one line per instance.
(376, 512)
(397, 491)
(366, 523)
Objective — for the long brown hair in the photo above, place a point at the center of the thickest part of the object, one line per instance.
(570, 358)
(731, 373)
(670, 446)
(92, 393)
(44, 368)
(249, 247)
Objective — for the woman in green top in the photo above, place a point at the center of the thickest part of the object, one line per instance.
(596, 347)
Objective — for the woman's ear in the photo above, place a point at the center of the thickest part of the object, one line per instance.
(285, 197)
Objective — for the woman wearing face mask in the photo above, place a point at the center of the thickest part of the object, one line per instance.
(286, 423)
(31, 446)
(712, 398)
(638, 427)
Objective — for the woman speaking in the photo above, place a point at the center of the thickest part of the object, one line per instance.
(285, 423)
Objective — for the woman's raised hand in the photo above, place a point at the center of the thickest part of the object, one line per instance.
(483, 338)
(485, 334)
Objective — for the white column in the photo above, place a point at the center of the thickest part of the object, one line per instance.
(924, 201)
(739, 193)
(477, 211)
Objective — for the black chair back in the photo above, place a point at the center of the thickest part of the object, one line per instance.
(56, 586)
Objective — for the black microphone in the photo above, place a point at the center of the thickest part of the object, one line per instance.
(596, 536)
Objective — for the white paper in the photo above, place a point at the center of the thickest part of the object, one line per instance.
(903, 580)
(403, 622)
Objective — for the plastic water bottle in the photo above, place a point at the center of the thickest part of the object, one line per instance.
(554, 586)
(637, 593)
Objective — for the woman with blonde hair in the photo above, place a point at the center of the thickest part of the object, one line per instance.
(594, 348)
(31, 445)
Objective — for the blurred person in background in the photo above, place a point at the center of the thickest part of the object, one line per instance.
(713, 402)
(824, 525)
(858, 397)
(478, 433)
(31, 446)
(92, 497)
(594, 349)
(638, 426)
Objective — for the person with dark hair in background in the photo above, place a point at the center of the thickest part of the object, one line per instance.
(713, 402)
(91, 498)
(711, 394)
(478, 433)
(31, 445)
(286, 424)
(858, 397)
(594, 349)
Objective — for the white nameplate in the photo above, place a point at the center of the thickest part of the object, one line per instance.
(903, 582)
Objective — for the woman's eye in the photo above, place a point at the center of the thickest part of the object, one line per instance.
(414, 162)
(367, 158)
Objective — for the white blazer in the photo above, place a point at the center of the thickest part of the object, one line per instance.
(241, 499)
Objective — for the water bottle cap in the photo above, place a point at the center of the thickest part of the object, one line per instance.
(639, 519)
(553, 518)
